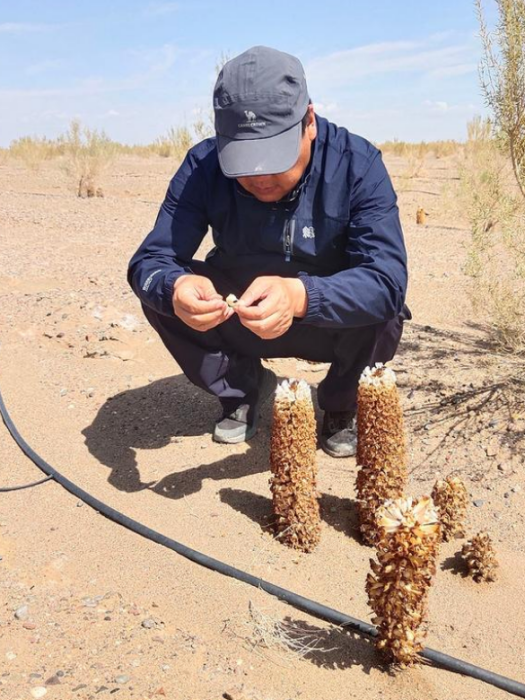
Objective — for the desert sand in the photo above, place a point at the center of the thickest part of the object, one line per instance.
(89, 609)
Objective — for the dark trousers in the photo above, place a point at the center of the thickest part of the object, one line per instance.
(226, 361)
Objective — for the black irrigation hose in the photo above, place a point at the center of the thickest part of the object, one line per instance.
(4, 489)
(305, 604)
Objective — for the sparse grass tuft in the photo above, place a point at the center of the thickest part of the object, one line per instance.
(175, 144)
(268, 632)
(419, 151)
(87, 153)
(33, 151)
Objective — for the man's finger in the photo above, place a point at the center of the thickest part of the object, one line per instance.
(250, 313)
(262, 325)
(196, 307)
(203, 321)
(257, 290)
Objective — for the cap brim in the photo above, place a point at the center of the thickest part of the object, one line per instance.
(245, 157)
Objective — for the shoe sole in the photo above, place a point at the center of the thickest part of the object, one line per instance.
(265, 395)
(337, 455)
(236, 440)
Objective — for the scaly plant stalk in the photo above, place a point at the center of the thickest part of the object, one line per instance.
(381, 450)
(294, 474)
(480, 557)
(450, 496)
(402, 575)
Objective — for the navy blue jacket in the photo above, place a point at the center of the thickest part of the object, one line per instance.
(339, 231)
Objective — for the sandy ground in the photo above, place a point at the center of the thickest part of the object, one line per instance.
(101, 611)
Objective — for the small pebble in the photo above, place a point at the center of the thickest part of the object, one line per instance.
(29, 626)
(39, 691)
(478, 502)
(122, 679)
(516, 489)
(148, 623)
(10, 656)
(53, 680)
(22, 613)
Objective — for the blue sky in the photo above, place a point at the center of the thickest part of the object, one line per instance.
(387, 69)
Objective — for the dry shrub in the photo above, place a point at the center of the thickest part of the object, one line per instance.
(87, 153)
(414, 165)
(418, 151)
(502, 72)
(496, 178)
(284, 636)
(33, 151)
(175, 144)
(496, 259)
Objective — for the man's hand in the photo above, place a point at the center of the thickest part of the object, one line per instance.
(198, 304)
(270, 304)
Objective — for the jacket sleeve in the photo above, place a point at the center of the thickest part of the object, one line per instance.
(372, 288)
(167, 251)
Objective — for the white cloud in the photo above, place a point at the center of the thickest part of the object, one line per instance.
(436, 105)
(429, 56)
(451, 71)
(42, 67)
(326, 108)
(158, 59)
(442, 106)
(23, 28)
(159, 9)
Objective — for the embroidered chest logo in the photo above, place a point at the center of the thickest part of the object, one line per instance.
(250, 116)
(308, 232)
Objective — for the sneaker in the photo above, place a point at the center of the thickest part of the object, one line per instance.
(241, 425)
(339, 433)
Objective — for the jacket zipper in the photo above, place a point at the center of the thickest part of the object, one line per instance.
(289, 231)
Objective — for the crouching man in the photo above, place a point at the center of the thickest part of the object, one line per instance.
(307, 237)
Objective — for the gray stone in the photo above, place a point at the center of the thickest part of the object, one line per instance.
(22, 613)
(53, 680)
(478, 502)
(122, 679)
(148, 623)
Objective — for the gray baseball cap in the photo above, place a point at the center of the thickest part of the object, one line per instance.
(259, 99)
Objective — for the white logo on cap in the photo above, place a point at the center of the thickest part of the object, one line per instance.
(250, 116)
